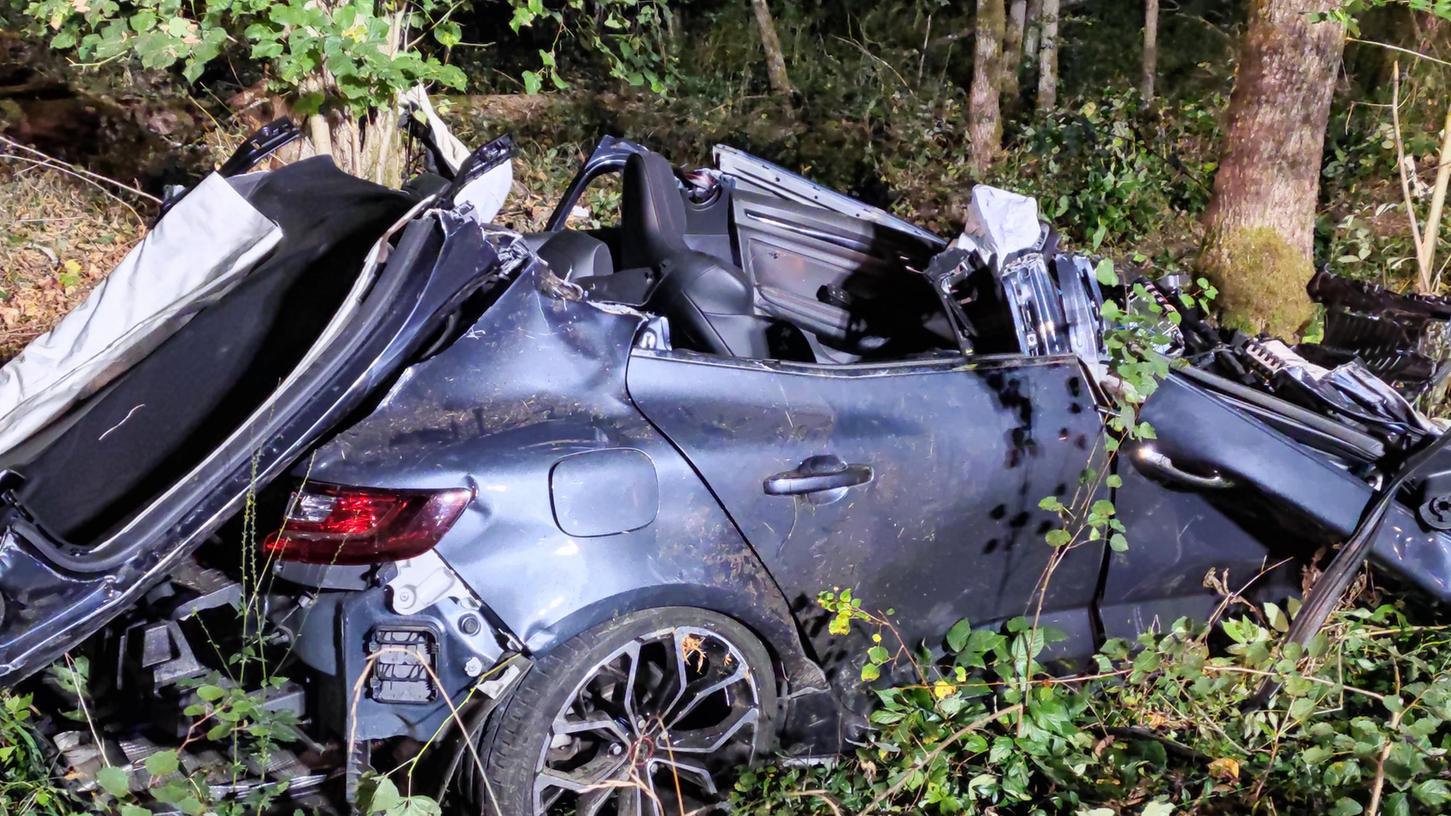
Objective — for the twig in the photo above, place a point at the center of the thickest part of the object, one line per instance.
(922, 58)
(85, 711)
(824, 796)
(1311, 678)
(1236, 595)
(942, 746)
(1423, 267)
(872, 56)
(1378, 786)
(1172, 746)
(52, 161)
(357, 696)
(1416, 54)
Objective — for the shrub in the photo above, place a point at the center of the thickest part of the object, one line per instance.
(1159, 726)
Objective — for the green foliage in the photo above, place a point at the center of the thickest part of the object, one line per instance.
(378, 795)
(27, 782)
(1349, 12)
(350, 54)
(1135, 337)
(1363, 230)
(350, 40)
(1158, 726)
(1112, 172)
(628, 34)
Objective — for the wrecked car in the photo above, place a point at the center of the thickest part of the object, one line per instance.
(563, 502)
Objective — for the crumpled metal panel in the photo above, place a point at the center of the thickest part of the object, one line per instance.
(540, 377)
(1286, 493)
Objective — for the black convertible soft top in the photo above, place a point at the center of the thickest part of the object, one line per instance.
(126, 445)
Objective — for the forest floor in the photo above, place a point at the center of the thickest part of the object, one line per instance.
(62, 236)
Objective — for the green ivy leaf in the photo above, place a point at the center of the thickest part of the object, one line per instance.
(161, 763)
(957, 636)
(1277, 618)
(448, 34)
(1106, 277)
(381, 796)
(114, 781)
(1432, 793)
(1346, 806)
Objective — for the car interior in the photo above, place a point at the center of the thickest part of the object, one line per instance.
(741, 274)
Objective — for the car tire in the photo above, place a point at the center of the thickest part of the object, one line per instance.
(564, 740)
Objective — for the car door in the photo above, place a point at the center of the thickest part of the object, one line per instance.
(915, 483)
(1220, 500)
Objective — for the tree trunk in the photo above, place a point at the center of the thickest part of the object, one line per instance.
(1260, 223)
(367, 146)
(1032, 29)
(985, 123)
(775, 59)
(1013, 52)
(1048, 57)
(1151, 49)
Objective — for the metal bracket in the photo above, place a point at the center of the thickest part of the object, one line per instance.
(423, 581)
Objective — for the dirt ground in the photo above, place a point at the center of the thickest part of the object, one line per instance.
(61, 236)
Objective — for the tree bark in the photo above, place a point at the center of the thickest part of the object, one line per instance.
(985, 123)
(1048, 57)
(1031, 30)
(1013, 52)
(775, 58)
(1151, 49)
(367, 145)
(1259, 227)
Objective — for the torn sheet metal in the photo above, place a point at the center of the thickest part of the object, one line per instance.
(194, 255)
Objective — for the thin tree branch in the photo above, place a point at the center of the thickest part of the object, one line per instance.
(1438, 196)
(942, 746)
(1416, 54)
(1423, 267)
(38, 159)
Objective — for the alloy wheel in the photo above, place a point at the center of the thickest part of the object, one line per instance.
(651, 729)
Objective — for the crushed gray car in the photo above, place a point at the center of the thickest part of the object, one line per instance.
(566, 500)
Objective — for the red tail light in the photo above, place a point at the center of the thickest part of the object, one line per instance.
(327, 524)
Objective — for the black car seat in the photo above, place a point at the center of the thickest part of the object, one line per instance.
(711, 304)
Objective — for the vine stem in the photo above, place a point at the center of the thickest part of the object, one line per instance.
(942, 746)
(1378, 787)
(824, 796)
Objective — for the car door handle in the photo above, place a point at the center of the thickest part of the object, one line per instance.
(1154, 462)
(818, 474)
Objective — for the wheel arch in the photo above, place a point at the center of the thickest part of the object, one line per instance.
(742, 603)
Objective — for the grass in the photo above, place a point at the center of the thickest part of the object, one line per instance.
(62, 236)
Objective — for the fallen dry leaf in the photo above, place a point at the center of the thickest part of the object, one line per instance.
(1224, 768)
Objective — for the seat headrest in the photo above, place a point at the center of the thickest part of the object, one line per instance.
(653, 215)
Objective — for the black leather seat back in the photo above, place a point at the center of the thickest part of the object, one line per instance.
(653, 215)
(711, 305)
